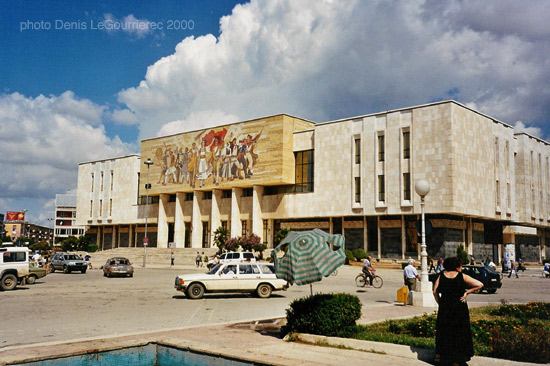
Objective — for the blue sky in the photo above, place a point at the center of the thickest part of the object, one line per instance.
(78, 93)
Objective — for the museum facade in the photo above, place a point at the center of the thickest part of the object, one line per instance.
(489, 185)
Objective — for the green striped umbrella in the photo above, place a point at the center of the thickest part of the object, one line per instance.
(309, 256)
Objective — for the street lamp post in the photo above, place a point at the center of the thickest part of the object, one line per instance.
(147, 162)
(53, 236)
(425, 296)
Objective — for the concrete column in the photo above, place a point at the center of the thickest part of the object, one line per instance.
(257, 223)
(99, 238)
(379, 238)
(162, 233)
(215, 221)
(196, 223)
(403, 237)
(469, 237)
(179, 225)
(236, 227)
(115, 237)
(131, 241)
(365, 234)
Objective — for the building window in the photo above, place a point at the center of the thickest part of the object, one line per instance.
(270, 190)
(406, 145)
(265, 231)
(207, 195)
(407, 186)
(189, 196)
(101, 185)
(497, 188)
(508, 196)
(304, 171)
(226, 193)
(381, 148)
(172, 198)
(110, 207)
(497, 159)
(381, 189)
(357, 190)
(92, 182)
(112, 179)
(224, 224)
(357, 151)
(506, 153)
(100, 207)
(205, 234)
(244, 227)
(91, 208)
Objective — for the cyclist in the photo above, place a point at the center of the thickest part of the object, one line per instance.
(368, 269)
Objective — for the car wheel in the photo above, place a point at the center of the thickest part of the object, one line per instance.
(66, 269)
(52, 269)
(263, 291)
(83, 270)
(31, 279)
(131, 275)
(104, 274)
(8, 282)
(492, 291)
(195, 291)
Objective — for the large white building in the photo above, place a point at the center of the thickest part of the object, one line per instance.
(65, 217)
(355, 176)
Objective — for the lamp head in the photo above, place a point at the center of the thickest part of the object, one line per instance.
(422, 188)
(148, 162)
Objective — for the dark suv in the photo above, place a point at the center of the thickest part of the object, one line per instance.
(490, 278)
(68, 262)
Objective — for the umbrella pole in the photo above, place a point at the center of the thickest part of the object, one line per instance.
(311, 289)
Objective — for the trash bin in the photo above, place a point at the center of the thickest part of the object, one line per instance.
(402, 295)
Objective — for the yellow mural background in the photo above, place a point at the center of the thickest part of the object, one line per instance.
(261, 154)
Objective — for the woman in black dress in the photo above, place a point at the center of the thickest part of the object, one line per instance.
(453, 339)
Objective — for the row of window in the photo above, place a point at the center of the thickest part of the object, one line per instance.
(101, 181)
(381, 149)
(101, 207)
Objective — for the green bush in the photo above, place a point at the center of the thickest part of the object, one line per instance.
(92, 248)
(359, 254)
(349, 255)
(532, 310)
(526, 344)
(323, 314)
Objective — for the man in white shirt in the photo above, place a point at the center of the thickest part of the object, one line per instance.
(368, 269)
(410, 275)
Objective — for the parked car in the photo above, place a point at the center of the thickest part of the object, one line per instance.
(14, 267)
(231, 257)
(68, 262)
(118, 266)
(256, 278)
(490, 278)
(35, 272)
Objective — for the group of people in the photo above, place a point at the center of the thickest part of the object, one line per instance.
(201, 260)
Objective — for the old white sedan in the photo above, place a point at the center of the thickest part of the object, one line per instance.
(256, 278)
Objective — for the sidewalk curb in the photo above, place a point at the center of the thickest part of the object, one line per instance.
(390, 349)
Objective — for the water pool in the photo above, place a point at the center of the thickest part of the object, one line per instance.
(149, 355)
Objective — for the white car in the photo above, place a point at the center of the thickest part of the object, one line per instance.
(258, 278)
(232, 257)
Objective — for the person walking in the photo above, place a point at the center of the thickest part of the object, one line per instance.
(453, 337)
(204, 260)
(439, 267)
(172, 258)
(87, 258)
(410, 275)
(198, 259)
(432, 266)
(513, 269)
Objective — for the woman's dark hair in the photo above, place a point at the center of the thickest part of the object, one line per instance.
(451, 264)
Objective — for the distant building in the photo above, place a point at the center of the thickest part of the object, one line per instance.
(65, 216)
(15, 230)
(2, 228)
(490, 186)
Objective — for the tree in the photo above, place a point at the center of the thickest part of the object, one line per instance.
(461, 254)
(280, 236)
(249, 242)
(83, 243)
(220, 238)
(69, 244)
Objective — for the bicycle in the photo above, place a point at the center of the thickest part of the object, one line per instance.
(362, 280)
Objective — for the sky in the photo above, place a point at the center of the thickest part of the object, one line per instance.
(88, 80)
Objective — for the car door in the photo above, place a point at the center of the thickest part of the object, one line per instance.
(227, 278)
(249, 277)
(56, 260)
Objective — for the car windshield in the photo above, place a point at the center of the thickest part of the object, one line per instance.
(118, 262)
(490, 270)
(215, 269)
(72, 257)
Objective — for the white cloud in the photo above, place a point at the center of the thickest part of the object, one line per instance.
(129, 24)
(42, 141)
(323, 60)
(124, 117)
(533, 131)
(197, 121)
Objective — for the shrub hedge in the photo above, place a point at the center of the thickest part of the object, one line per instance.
(323, 314)
(359, 254)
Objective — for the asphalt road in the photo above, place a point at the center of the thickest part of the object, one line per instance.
(62, 307)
